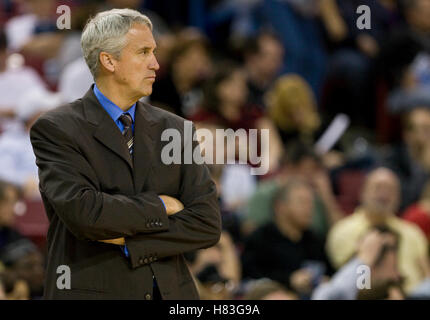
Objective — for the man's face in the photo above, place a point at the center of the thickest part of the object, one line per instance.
(194, 64)
(268, 60)
(381, 192)
(233, 90)
(298, 207)
(136, 67)
(417, 134)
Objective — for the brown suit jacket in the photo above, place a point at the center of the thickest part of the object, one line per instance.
(93, 189)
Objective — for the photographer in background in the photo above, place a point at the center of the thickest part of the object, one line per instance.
(377, 250)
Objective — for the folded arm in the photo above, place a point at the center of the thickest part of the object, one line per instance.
(197, 226)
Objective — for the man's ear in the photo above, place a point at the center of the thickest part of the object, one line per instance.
(107, 61)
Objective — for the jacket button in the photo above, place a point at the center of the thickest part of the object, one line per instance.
(148, 296)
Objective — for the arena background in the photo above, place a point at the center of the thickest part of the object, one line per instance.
(343, 86)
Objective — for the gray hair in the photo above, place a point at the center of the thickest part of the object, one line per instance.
(106, 32)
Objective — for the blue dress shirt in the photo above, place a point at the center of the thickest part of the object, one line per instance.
(113, 110)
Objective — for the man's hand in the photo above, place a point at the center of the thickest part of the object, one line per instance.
(301, 280)
(117, 241)
(370, 247)
(173, 205)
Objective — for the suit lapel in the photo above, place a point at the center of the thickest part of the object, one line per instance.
(106, 130)
(145, 138)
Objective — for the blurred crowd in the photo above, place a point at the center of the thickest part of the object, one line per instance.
(348, 111)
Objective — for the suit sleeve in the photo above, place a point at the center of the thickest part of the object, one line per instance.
(198, 226)
(70, 185)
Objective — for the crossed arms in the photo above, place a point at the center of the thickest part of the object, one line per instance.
(172, 205)
(70, 185)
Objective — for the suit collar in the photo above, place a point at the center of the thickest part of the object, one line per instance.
(95, 113)
(111, 108)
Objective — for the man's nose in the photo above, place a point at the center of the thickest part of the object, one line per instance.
(154, 64)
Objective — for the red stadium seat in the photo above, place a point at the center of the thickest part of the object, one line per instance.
(32, 222)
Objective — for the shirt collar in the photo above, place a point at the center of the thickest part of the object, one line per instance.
(111, 108)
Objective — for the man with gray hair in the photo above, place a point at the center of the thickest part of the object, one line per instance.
(120, 219)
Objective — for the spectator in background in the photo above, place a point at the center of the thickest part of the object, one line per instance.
(17, 160)
(18, 254)
(403, 48)
(292, 107)
(378, 250)
(410, 160)
(285, 250)
(189, 65)
(350, 78)
(225, 100)
(263, 56)
(35, 34)
(12, 243)
(299, 161)
(296, 24)
(15, 80)
(225, 105)
(217, 269)
(416, 13)
(380, 198)
(35, 29)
